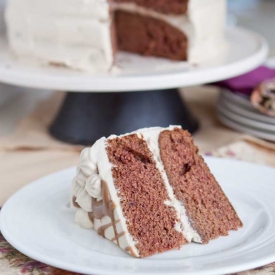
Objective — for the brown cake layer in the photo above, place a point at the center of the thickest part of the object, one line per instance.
(149, 36)
(207, 207)
(142, 193)
(164, 6)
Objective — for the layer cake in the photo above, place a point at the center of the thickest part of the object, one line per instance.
(86, 34)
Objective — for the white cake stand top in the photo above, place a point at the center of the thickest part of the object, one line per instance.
(247, 50)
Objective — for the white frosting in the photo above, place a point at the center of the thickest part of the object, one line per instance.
(75, 188)
(74, 33)
(203, 25)
(82, 218)
(93, 186)
(81, 178)
(77, 33)
(86, 165)
(84, 200)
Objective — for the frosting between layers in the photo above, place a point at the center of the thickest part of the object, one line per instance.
(151, 136)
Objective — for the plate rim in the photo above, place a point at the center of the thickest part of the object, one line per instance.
(246, 121)
(148, 82)
(243, 128)
(50, 261)
(239, 99)
(235, 108)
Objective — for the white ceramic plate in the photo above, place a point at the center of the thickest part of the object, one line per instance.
(238, 99)
(246, 51)
(38, 222)
(246, 121)
(240, 110)
(236, 125)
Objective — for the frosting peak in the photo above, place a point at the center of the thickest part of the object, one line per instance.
(87, 165)
(93, 186)
(84, 200)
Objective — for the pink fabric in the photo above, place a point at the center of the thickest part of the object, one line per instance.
(247, 82)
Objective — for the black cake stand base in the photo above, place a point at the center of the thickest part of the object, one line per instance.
(85, 117)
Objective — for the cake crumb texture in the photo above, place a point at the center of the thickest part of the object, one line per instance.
(207, 207)
(149, 36)
(142, 194)
(175, 7)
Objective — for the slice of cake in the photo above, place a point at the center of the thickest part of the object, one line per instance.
(149, 192)
(86, 34)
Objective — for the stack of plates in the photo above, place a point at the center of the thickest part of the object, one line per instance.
(235, 111)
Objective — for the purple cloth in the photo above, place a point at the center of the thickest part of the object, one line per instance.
(246, 83)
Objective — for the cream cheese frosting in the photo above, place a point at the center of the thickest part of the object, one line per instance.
(73, 33)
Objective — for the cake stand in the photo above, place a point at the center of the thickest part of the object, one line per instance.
(140, 92)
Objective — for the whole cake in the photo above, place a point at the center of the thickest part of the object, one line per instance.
(86, 34)
(149, 192)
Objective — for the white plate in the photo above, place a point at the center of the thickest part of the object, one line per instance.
(245, 129)
(247, 50)
(37, 221)
(245, 112)
(246, 121)
(239, 99)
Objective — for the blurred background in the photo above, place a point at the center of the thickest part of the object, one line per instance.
(256, 15)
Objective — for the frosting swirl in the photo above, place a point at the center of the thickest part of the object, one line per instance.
(75, 188)
(87, 183)
(82, 218)
(87, 165)
(84, 200)
(80, 178)
(93, 186)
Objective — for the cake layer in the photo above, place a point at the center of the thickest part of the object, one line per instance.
(163, 6)
(142, 193)
(149, 36)
(207, 207)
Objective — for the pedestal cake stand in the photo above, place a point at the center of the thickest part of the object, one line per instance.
(139, 92)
